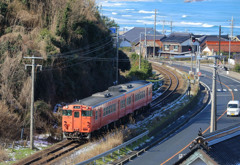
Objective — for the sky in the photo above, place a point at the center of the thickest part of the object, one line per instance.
(198, 17)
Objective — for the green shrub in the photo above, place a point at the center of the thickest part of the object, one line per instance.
(237, 68)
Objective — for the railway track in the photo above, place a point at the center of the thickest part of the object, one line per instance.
(171, 83)
(49, 155)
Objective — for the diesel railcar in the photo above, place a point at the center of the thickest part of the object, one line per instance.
(81, 118)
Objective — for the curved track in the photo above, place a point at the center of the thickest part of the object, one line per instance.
(170, 86)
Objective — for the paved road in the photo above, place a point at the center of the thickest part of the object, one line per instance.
(161, 153)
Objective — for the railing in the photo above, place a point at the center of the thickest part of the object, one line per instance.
(113, 150)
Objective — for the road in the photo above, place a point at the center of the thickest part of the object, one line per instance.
(167, 152)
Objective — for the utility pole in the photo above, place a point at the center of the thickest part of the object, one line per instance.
(154, 33)
(32, 99)
(219, 40)
(232, 28)
(191, 56)
(117, 57)
(171, 25)
(140, 52)
(146, 56)
(213, 124)
(163, 31)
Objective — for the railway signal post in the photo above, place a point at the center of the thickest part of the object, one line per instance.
(32, 98)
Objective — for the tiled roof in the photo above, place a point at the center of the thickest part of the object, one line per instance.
(213, 38)
(133, 35)
(177, 37)
(226, 152)
(222, 147)
(235, 46)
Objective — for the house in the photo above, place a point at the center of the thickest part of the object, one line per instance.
(178, 44)
(211, 38)
(236, 38)
(131, 37)
(211, 47)
(217, 148)
(140, 46)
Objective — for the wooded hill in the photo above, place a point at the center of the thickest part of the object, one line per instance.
(69, 35)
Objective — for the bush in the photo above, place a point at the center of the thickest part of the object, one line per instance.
(237, 68)
(144, 72)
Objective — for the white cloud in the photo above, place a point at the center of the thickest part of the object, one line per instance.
(149, 17)
(127, 15)
(146, 12)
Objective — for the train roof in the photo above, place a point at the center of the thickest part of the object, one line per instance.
(112, 93)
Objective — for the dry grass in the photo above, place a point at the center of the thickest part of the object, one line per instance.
(110, 142)
(3, 155)
(10, 123)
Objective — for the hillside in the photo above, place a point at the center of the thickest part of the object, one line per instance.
(69, 35)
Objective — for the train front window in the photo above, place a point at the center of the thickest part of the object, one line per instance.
(67, 112)
(76, 114)
(86, 113)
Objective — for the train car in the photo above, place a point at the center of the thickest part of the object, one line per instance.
(80, 119)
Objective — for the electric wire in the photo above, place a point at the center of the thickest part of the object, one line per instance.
(64, 67)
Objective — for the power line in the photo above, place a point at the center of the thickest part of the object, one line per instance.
(78, 62)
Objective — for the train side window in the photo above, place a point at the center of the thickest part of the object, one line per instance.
(150, 91)
(96, 115)
(104, 112)
(76, 114)
(87, 113)
(129, 100)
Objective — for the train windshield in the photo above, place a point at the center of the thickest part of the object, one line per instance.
(86, 113)
(232, 105)
(67, 112)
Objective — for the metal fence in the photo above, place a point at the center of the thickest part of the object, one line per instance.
(113, 150)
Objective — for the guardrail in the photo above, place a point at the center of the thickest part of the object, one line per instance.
(113, 150)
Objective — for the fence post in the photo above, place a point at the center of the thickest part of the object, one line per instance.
(13, 145)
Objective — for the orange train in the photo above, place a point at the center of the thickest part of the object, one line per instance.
(80, 119)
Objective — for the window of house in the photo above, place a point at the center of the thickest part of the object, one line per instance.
(175, 47)
(166, 47)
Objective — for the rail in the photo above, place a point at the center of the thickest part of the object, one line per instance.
(167, 92)
(114, 149)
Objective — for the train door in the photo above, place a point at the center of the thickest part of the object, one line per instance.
(76, 120)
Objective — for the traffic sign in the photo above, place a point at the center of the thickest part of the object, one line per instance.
(199, 74)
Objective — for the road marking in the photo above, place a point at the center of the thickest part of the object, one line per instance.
(203, 131)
